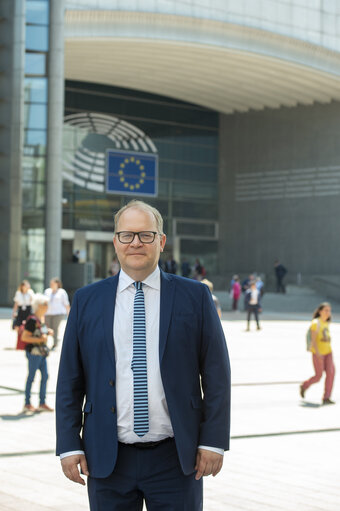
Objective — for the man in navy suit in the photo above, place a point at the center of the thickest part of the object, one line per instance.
(187, 400)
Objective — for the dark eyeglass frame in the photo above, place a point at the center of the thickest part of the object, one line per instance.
(136, 234)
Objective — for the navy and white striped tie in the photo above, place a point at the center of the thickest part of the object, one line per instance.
(139, 368)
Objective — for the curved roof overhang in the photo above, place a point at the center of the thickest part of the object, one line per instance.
(214, 64)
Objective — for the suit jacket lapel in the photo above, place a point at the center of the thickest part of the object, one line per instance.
(167, 298)
(109, 301)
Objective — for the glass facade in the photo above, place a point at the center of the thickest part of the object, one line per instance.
(186, 138)
(35, 137)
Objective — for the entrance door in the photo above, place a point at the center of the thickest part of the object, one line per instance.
(101, 254)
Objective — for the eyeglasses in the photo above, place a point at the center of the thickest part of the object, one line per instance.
(143, 236)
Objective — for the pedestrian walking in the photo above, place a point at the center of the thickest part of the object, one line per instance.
(22, 303)
(58, 307)
(245, 285)
(35, 336)
(138, 348)
(170, 265)
(185, 268)
(280, 272)
(260, 285)
(76, 256)
(235, 292)
(322, 356)
(199, 270)
(253, 304)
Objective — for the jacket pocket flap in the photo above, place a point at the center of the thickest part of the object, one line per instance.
(196, 401)
(88, 407)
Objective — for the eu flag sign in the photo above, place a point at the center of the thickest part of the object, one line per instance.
(131, 173)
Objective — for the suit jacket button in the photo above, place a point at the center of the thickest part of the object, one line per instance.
(113, 409)
(111, 383)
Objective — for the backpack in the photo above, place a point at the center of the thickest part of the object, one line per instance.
(309, 336)
(21, 345)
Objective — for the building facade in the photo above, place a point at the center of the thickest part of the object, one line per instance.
(239, 101)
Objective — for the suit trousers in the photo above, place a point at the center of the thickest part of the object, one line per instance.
(153, 475)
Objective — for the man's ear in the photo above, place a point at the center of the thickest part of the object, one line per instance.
(162, 242)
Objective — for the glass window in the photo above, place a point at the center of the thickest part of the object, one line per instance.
(35, 63)
(205, 250)
(35, 142)
(197, 229)
(33, 197)
(195, 190)
(33, 252)
(35, 116)
(33, 170)
(36, 90)
(36, 37)
(37, 12)
(190, 209)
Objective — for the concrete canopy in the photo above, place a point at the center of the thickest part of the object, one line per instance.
(214, 64)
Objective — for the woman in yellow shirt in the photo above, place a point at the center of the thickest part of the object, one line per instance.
(322, 352)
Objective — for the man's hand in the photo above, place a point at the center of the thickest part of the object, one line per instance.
(207, 462)
(71, 470)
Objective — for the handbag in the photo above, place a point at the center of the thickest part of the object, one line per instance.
(41, 350)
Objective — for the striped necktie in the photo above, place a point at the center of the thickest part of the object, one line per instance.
(140, 377)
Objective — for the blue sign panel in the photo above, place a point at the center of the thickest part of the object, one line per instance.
(130, 173)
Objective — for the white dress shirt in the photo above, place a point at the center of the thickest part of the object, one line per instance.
(159, 418)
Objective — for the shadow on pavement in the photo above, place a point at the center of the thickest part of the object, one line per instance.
(308, 404)
(17, 417)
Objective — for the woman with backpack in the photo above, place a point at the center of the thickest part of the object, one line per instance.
(321, 349)
(34, 336)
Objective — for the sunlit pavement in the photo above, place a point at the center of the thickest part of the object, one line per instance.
(284, 453)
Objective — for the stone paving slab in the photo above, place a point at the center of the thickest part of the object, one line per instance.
(284, 451)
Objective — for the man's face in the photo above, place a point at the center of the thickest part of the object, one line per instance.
(136, 256)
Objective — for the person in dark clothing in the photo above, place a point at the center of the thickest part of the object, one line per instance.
(75, 256)
(171, 266)
(185, 268)
(245, 285)
(280, 272)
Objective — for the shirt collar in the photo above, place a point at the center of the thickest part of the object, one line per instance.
(153, 280)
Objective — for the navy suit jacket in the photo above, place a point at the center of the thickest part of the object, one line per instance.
(194, 366)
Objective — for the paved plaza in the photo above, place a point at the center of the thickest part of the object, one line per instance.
(284, 451)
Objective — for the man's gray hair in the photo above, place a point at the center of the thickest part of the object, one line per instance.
(39, 299)
(138, 204)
